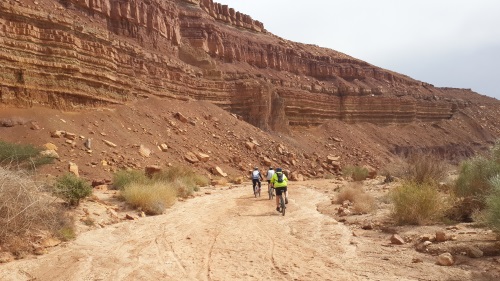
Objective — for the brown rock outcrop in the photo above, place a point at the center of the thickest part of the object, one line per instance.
(91, 53)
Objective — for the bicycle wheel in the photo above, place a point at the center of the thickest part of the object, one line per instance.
(270, 192)
(283, 206)
(255, 191)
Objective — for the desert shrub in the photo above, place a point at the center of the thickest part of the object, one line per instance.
(475, 183)
(362, 202)
(397, 168)
(123, 178)
(426, 169)
(474, 177)
(184, 179)
(23, 156)
(183, 174)
(71, 188)
(152, 198)
(492, 212)
(155, 194)
(357, 173)
(25, 209)
(349, 192)
(417, 203)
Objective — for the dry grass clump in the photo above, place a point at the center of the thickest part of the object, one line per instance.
(357, 173)
(419, 168)
(151, 198)
(123, 178)
(26, 210)
(425, 168)
(417, 204)
(184, 175)
(365, 203)
(153, 195)
(362, 202)
(349, 192)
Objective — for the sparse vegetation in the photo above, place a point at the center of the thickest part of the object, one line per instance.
(123, 178)
(357, 173)
(184, 175)
(24, 210)
(474, 176)
(349, 192)
(476, 185)
(21, 156)
(492, 213)
(417, 203)
(154, 195)
(72, 188)
(362, 202)
(426, 169)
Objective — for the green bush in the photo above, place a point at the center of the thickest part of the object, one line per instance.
(475, 185)
(493, 205)
(417, 204)
(474, 177)
(72, 188)
(24, 156)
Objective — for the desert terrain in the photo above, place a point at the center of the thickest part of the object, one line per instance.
(104, 86)
(224, 233)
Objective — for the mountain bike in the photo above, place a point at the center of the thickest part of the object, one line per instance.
(256, 190)
(282, 204)
(270, 190)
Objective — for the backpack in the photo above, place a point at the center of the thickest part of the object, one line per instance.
(280, 177)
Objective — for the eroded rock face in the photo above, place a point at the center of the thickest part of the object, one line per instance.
(80, 53)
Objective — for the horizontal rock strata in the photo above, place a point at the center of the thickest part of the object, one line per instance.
(79, 53)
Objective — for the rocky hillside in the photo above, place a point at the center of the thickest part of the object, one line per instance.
(82, 55)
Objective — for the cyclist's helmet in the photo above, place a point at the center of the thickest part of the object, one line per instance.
(256, 168)
(270, 168)
(279, 170)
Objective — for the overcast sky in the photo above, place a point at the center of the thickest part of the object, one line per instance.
(448, 43)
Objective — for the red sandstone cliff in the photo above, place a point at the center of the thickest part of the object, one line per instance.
(73, 53)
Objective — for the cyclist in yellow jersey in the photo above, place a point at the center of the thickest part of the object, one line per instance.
(279, 181)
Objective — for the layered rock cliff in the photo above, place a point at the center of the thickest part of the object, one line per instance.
(74, 53)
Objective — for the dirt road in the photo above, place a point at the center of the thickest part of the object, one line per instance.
(228, 235)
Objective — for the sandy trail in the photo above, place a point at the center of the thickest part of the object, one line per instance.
(228, 235)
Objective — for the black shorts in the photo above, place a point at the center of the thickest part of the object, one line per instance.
(280, 190)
